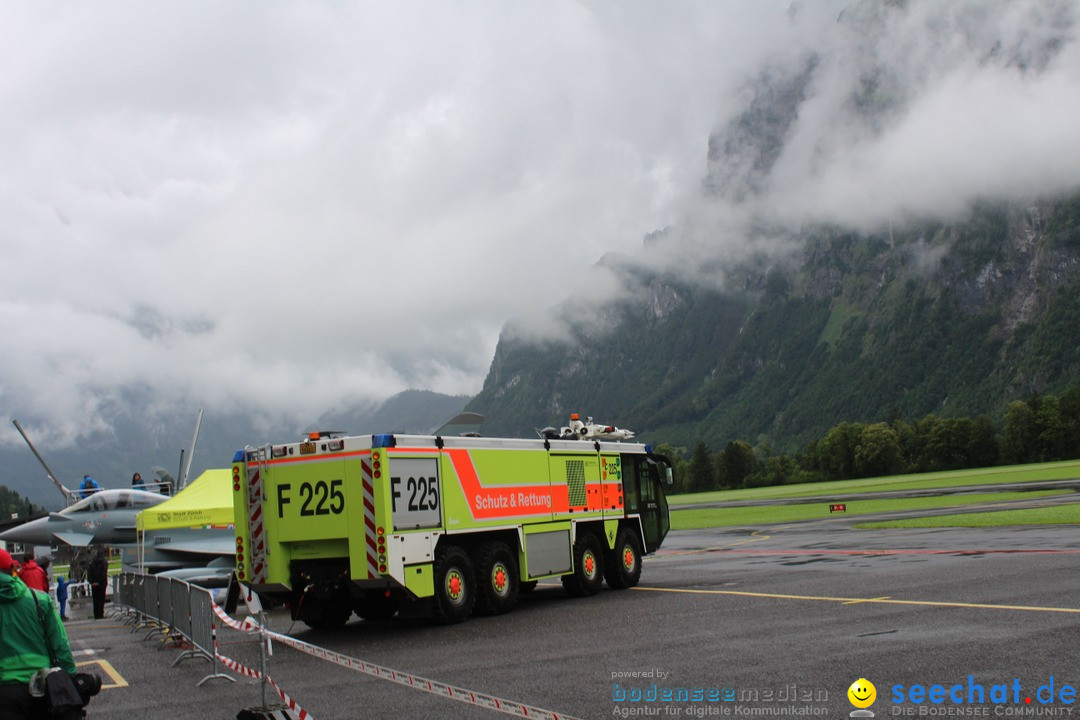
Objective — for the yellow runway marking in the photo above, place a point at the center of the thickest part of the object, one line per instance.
(110, 672)
(856, 602)
(852, 601)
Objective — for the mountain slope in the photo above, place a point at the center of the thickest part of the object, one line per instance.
(411, 411)
(950, 318)
(835, 266)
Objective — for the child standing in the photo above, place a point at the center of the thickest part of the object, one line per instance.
(62, 595)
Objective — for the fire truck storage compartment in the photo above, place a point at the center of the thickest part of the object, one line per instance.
(410, 556)
(548, 551)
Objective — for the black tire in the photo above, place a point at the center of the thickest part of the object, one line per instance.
(588, 575)
(527, 586)
(622, 564)
(455, 585)
(324, 613)
(498, 579)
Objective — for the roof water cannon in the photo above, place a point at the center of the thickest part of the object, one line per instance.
(589, 430)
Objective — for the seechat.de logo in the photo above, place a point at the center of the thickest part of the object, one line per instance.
(862, 694)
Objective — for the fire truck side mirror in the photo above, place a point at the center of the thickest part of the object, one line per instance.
(660, 463)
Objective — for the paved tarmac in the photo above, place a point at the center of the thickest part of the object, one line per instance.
(775, 621)
(138, 678)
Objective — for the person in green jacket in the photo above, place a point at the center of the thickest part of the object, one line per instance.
(31, 637)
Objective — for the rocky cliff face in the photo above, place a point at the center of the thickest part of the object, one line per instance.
(956, 318)
(779, 306)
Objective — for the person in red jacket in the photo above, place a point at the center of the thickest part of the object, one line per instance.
(33, 574)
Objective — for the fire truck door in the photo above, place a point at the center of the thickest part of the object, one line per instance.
(644, 496)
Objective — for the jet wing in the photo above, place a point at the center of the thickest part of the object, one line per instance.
(211, 576)
(75, 539)
(204, 546)
(193, 541)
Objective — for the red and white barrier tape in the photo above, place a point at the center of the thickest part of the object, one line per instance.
(249, 624)
(299, 712)
(491, 702)
(416, 682)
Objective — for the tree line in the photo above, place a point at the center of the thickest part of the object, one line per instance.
(13, 505)
(1042, 428)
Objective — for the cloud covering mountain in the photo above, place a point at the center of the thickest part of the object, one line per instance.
(284, 207)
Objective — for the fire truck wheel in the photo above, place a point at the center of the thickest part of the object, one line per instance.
(622, 564)
(498, 579)
(455, 585)
(588, 575)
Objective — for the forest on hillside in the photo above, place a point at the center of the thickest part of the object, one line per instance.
(13, 505)
(1042, 428)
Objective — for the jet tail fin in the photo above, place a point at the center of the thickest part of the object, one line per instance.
(466, 423)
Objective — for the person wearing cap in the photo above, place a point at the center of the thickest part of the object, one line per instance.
(31, 636)
(33, 574)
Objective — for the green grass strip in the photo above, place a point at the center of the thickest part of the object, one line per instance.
(1058, 515)
(698, 518)
(921, 481)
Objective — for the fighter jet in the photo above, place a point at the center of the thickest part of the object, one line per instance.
(200, 555)
(194, 544)
(105, 518)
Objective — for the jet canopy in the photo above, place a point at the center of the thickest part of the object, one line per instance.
(104, 500)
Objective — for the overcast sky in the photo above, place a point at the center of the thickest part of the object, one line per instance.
(290, 205)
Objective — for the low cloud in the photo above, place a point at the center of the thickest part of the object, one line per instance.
(278, 207)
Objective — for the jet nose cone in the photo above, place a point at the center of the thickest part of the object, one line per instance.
(34, 532)
(15, 534)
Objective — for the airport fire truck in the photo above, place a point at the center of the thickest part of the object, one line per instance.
(373, 524)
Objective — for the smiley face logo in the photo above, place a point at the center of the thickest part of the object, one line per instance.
(862, 693)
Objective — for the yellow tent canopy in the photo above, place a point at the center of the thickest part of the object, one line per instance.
(206, 501)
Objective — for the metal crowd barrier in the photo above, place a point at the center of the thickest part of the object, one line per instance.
(172, 608)
(79, 589)
(178, 609)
